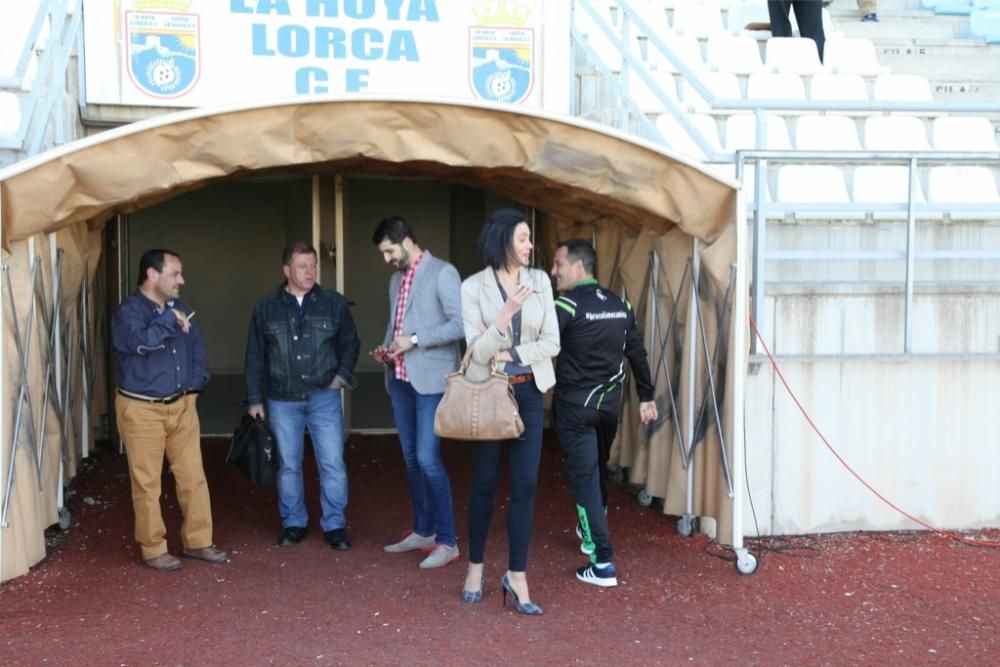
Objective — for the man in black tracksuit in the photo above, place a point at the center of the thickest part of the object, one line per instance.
(597, 333)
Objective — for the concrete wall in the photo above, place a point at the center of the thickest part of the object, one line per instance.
(923, 431)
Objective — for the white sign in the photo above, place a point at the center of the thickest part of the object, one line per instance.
(191, 53)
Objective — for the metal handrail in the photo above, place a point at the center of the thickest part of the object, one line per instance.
(21, 69)
(51, 74)
(910, 255)
(716, 104)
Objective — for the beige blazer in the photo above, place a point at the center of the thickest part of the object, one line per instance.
(481, 303)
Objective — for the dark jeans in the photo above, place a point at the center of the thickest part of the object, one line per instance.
(808, 14)
(524, 454)
(585, 437)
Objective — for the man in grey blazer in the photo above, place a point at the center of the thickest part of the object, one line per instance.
(419, 350)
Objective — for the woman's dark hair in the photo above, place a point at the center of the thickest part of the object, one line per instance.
(497, 238)
(153, 259)
(395, 228)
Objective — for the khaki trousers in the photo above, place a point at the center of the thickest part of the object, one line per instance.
(151, 430)
(868, 6)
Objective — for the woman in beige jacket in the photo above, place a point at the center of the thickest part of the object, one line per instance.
(509, 317)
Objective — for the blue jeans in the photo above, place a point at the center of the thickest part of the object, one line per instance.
(430, 488)
(323, 415)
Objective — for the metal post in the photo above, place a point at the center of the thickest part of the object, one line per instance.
(692, 354)
(759, 244)
(911, 242)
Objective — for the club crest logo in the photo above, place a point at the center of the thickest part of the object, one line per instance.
(162, 43)
(502, 50)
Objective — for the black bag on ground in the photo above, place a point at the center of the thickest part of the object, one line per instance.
(254, 450)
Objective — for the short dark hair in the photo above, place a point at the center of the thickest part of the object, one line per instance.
(497, 238)
(578, 249)
(296, 248)
(153, 259)
(395, 228)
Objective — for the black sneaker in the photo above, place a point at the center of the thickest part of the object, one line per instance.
(291, 536)
(869, 18)
(599, 576)
(337, 539)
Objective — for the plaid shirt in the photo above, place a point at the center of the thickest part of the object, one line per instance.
(404, 295)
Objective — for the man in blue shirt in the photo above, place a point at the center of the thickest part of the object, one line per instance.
(301, 351)
(161, 365)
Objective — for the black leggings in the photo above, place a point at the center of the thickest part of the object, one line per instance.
(524, 454)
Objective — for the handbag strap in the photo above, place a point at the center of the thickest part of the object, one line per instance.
(468, 358)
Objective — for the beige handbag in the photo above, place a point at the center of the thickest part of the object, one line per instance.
(484, 410)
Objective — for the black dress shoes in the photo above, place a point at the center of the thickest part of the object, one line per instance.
(291, 536)
(337, 539)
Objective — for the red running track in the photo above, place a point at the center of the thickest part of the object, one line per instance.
(847, 599)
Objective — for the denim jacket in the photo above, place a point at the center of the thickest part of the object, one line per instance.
(290, 356)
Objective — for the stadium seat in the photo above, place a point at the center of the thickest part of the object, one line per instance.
(644, 97)
(963, 185)
(10, 114)
(736, 54)
(902, 88)
(985, 23)
(679, 140)
(826, 133)
(775, 86)
(963, 133)
(852, 55)
(953, 7)
(585, 24)
(697, 20)
(885, 184)
(838, 88)
(684, 47)
(743, 14)
(796, 55)
(895, 133)
(741, 133)
(654, 14)
(814, 184)
(986, 4)
(607, 53)
(723, 85)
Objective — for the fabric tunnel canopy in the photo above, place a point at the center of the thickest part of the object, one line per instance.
(665, 231)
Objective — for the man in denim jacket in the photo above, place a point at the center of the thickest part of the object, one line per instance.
(301, 352)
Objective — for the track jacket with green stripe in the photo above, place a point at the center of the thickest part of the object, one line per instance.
(597, 333)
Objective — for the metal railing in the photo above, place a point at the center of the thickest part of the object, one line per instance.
(43, 105)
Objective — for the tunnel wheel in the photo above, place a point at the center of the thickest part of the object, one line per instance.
(645, 500)
(746, 562)
(687, 525)
(65, 519)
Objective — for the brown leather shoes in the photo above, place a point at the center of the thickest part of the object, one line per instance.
(164, 563)
(211, 554)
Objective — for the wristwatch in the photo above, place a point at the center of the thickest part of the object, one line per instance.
(413, 339)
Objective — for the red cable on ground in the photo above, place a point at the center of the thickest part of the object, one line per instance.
(943, 533)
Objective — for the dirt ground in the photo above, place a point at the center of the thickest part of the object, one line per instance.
(844, 599)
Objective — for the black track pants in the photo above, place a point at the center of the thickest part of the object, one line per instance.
(585, 436)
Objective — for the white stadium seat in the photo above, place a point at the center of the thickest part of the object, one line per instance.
(895, 133)
(644, 97)
(775, 86)
(838, 88)
(741, 133)
(852, 55)
(885, 184)
(796, 55)
(679, 140)
(736, 54)
(742, 14)
(653, 13)
(684, 47)
(961, 184)
(902, 88)
(698, 20)
(724, 85)
(813, 184)
(607, 52)
(963, 133)
(10, 114)
(826, 133)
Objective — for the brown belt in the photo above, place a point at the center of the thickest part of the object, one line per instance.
(520, 379)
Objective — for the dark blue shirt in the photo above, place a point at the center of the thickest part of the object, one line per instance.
(153, 355)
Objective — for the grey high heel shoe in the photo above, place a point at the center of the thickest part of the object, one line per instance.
(529, 608)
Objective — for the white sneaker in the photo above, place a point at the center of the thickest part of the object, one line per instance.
(441, 556)
(411, 542)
